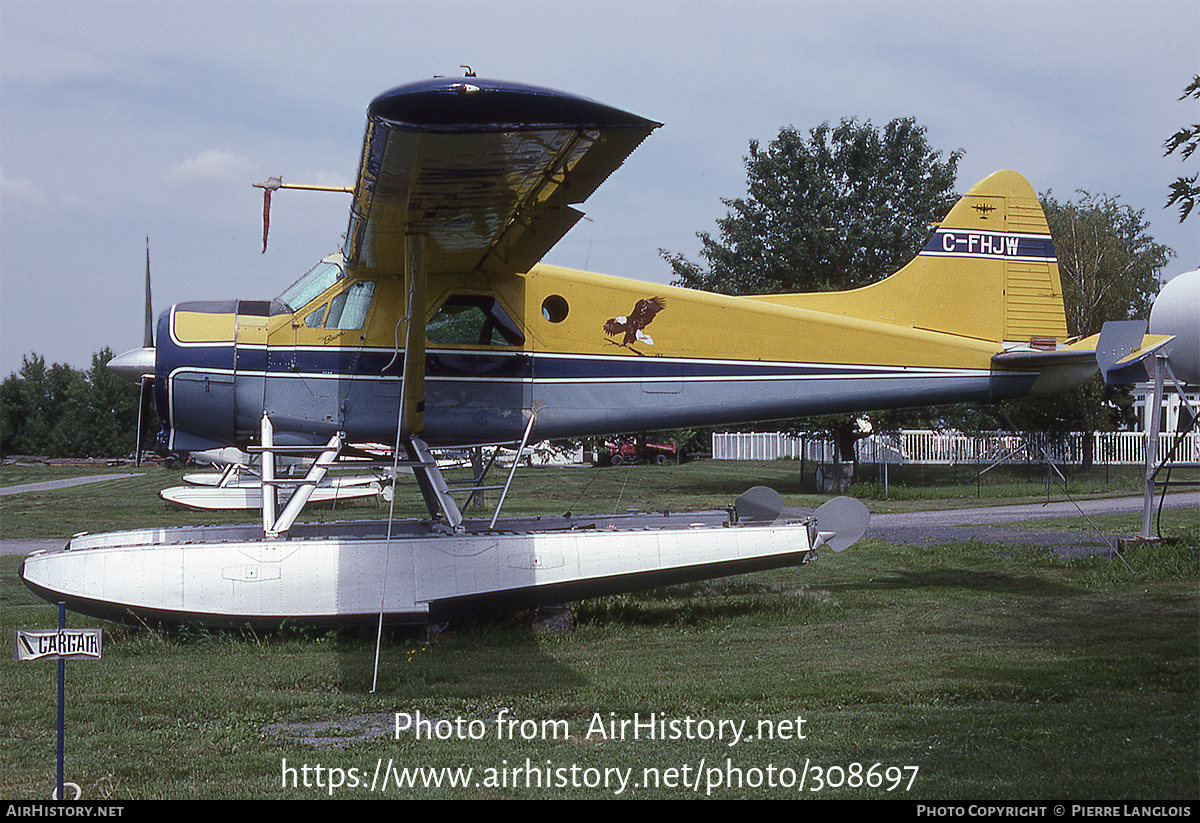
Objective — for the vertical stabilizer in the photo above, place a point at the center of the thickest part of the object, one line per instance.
(988, 272)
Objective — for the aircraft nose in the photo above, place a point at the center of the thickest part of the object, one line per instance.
(134, 364)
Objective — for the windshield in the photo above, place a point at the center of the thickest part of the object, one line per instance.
(303, 291)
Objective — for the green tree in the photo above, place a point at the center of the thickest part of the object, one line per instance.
(112, 406)
(33, 401)
(1184, 189)
(12, 413)
(1107, 260)
(59, 411)
(69, 421)
(837, 209)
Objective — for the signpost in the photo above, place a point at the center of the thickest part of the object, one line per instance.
(65, 644)
(62, 645)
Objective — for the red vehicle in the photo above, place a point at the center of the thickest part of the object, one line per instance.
(623, 451)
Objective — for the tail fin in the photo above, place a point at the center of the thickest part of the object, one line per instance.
(988, 273)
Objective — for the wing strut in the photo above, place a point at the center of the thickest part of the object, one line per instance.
(412, 381)
(278, 526)
(513, 471)
(412, 390)
(433, 486)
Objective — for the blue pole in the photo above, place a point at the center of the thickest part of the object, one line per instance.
(62, 675)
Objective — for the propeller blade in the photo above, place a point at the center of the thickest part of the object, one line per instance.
(148, 337)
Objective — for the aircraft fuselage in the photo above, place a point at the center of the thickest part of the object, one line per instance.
(499, 348)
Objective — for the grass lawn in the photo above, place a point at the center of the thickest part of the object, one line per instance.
(963, 671)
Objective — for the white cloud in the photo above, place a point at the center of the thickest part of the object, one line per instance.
(16, 193)
(214, 166)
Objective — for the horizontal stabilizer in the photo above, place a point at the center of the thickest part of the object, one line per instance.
(1119, 351)
(1123, 349)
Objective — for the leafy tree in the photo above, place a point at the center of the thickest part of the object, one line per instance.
(1107, 260)
(839, 208)
(58, 411)
(112, 408)
(34, 403)
(1184, 189)
(67, 403)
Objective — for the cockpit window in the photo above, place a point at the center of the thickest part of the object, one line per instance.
(472, 320)
(319, 278)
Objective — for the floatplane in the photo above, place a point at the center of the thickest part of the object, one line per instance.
(437, 326)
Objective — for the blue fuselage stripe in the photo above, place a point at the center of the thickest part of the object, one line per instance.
(522, 366)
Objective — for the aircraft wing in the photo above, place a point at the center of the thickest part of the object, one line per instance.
(487, 171)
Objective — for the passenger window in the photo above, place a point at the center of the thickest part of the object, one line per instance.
(472, 320)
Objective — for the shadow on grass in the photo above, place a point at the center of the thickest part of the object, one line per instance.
(697, 604)
(965, 579)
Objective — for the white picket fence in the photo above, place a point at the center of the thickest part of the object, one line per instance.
(949, 448)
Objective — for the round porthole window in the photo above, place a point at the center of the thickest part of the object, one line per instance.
(554, 309)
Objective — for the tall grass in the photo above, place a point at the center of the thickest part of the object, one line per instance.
(997, 672)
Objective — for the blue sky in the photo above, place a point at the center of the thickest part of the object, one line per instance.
(121, 120)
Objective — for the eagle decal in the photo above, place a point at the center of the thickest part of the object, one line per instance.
(631, 328)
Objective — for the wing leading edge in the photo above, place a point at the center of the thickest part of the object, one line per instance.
(487, 171)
